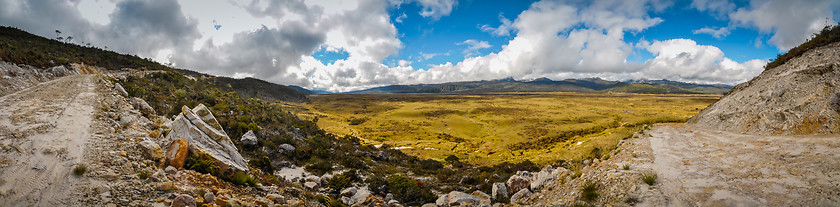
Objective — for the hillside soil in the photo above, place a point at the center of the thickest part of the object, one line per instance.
(44, 131)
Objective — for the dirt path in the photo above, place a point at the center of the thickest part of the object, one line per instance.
(700, 167)
(43, 132)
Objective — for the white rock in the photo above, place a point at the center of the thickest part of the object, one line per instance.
(151, 150)
(457, 198)
(204, 134)
(499, 191)
(521, 196)
(249, 138)
(443, 200)
(121, 90)
(359, 198)
(285, 148)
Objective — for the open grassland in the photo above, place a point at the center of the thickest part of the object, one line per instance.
(493, 128)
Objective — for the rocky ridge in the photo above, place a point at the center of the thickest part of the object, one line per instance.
(801, 96)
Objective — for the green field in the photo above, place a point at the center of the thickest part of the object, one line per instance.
(492, 128)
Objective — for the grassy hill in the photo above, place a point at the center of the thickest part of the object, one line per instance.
(589, 85)
(21, 47)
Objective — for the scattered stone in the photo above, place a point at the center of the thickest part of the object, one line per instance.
(429, 205)
(151, 150)
(183, 200)
(176, 153)
(499, 191)
(521, 180)
(521, 196)
(457, 198)
(310, 185)
(286, 148)
(543, 178)
(120, 90)
(349, 191)
(249, 138)
(275, 197)
(360, 197)
(170, 170)
(140, 104)
(165, 186)
(443, 200)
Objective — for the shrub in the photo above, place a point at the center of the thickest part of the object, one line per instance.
(203, 163)
(319, 167)
(408, 191)
(649, 178)
(829, 34)
(143, 174)
(339, 182)
(452, 159)
(242, 178)
(625, 166)
(430, 164)
(262, 163)
(80, 169)
(589, 191)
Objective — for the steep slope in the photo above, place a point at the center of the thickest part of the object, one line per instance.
(802, 96)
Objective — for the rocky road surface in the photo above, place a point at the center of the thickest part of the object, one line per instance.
(699, 167)
(43, 133)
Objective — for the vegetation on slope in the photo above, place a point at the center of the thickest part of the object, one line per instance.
(829, 34)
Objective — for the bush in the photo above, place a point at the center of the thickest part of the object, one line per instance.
(409, 192)
(242, 178)
(143, 174)
(262, 163)
(203, 163)
(626, 166)
(589, 192)
(80, 169)
(649, 178)
(319, 167)
(339, 182)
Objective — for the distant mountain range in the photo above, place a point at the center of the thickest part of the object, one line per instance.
(588, 85)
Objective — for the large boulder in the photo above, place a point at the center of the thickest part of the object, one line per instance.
(183, 200)
(499, 192)
(142, 106)
(120, 90)
(801, 96)
(205, 135)
(457, 198)
(546, 176)
(519, 181)
(249, 138)
(176, 153)
(286, 148)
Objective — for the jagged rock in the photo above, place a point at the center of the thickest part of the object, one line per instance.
(499, 191)
(205, 135)
(170, 170)
(249, 138)
(140, 104)
(349, 191)
(151, 150)
(208, 196)
(457, 198)
(543, 178)
(443, 200)
(310, 185)
(483, 197)
(521, 196)
(521, 180)
(360, 197)
(176, 153)
(120, 89)
(183, 200)
(429, 205)
(286, 148)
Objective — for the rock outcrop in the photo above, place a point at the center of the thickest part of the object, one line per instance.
(205, 135)
(801, 96)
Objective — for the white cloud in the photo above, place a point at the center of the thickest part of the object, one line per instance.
(503, 30)
(435, 9)
(789, 22)
(718, 8)
(718, 33)
(473, 46)
(685, 60)
(404, 63)
(400, 18)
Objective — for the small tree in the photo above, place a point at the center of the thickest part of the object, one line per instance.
(69, 39)
(58, 34)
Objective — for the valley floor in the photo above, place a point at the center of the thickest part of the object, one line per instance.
(698, 167)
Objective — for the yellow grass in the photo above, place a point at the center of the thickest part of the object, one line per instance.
(492, 128)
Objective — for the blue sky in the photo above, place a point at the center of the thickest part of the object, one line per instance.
(344, 45)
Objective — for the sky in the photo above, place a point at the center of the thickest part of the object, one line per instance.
(345, 45)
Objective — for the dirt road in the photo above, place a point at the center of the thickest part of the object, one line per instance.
(699, 167)
(43, 133)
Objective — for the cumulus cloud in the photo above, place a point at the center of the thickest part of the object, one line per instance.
(502, 30)
(685, 60)
(789, 22)
(718, 33)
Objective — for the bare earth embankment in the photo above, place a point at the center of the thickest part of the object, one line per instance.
(43, 131)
